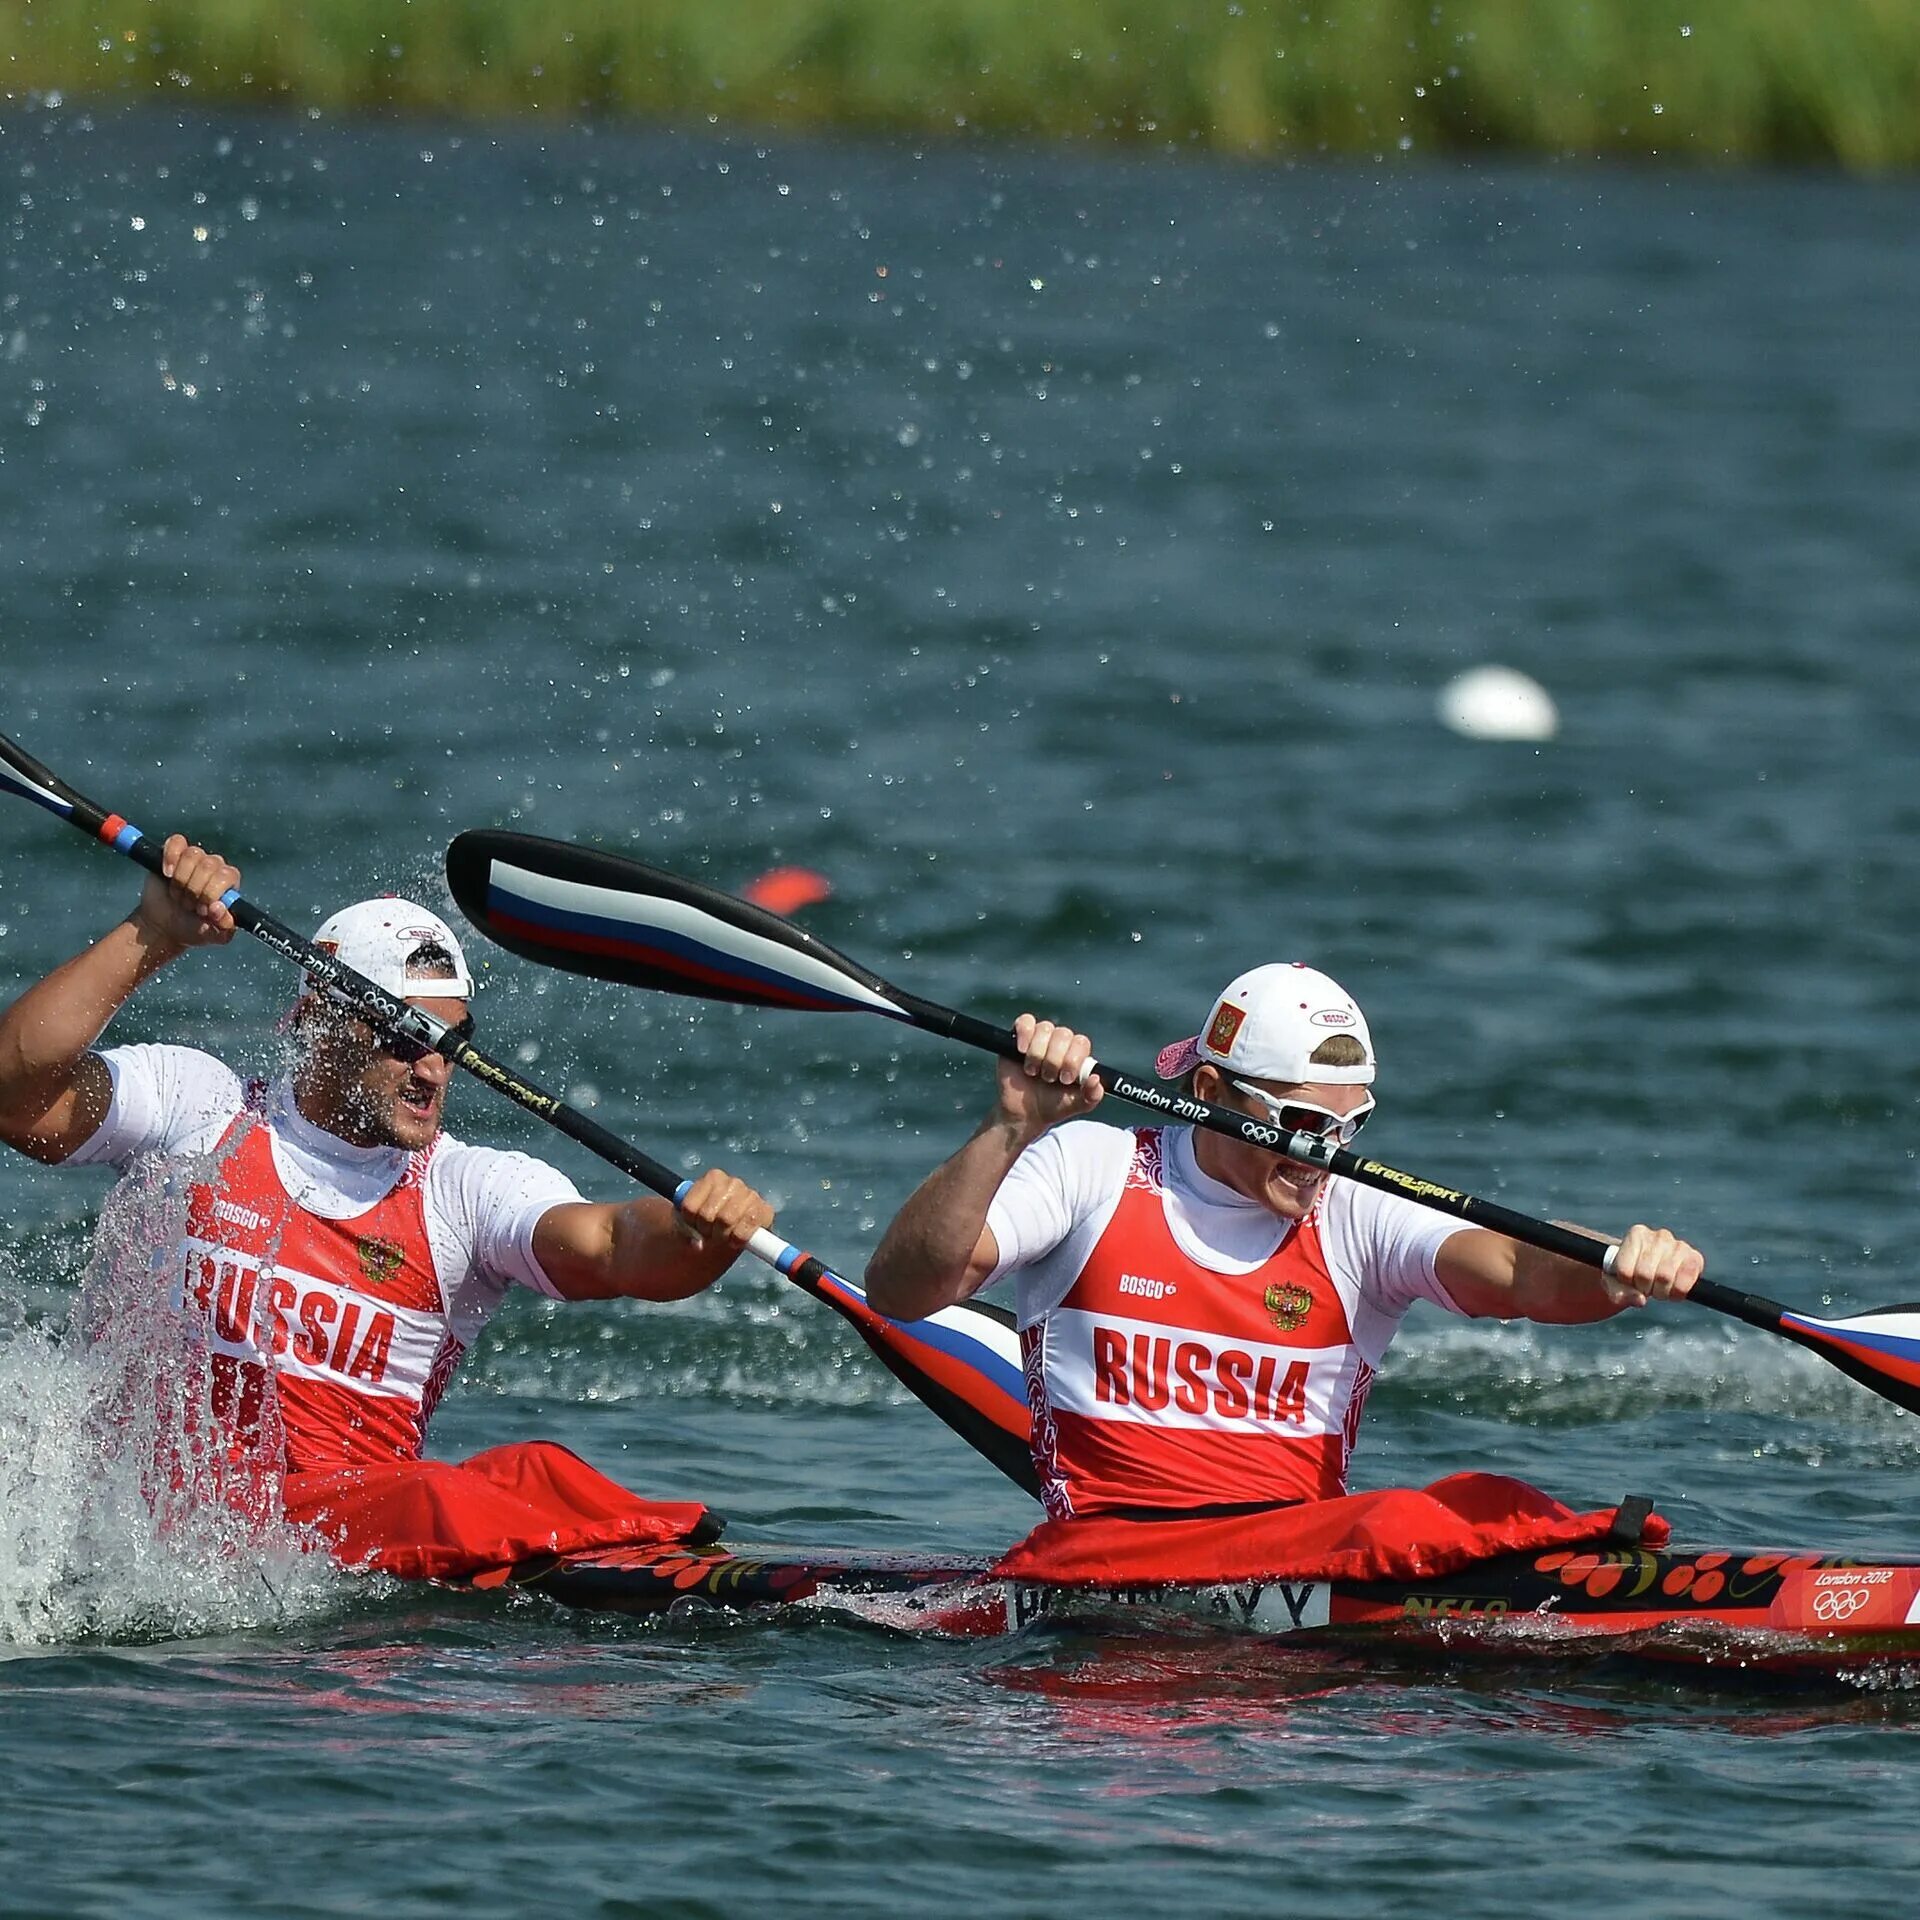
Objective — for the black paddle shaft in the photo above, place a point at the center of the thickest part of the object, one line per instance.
(1158, 1097)
(615, 919)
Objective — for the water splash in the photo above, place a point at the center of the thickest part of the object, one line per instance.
(125, 1511)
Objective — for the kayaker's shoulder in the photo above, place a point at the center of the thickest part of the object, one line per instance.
(495, 1174)
(1092, 1145)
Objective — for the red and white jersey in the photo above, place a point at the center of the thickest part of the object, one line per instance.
(355, 1277)
(348, 1316)
(1170, 1371)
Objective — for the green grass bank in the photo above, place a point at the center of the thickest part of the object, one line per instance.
(1718, 82)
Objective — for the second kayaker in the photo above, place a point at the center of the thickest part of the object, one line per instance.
(1200, 1319)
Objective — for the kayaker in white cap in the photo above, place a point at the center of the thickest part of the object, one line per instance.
(1201, 1319)
(340, 1251)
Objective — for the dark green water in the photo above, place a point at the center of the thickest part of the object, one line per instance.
(1064, 557)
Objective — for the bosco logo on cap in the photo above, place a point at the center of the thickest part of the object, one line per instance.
(1268, 1025)
(400, 946)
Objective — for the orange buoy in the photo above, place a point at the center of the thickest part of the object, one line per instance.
(787, 889)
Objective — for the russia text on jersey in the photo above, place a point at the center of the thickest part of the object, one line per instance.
(1104, 1367)
(308, 1327)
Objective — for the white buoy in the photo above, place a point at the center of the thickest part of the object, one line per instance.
(1496, 703)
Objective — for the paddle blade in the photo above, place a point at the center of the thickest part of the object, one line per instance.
(1881, 1350)
(963, 1362)
(613, 919)
(21, 773)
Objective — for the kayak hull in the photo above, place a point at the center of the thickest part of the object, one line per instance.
(1752, 1610)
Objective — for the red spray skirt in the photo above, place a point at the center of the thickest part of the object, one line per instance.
(1401, 1533)
(447, 1519)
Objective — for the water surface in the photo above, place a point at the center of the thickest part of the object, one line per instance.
(1063, 555)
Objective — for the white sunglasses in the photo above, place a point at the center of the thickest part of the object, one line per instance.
(1303, 1116)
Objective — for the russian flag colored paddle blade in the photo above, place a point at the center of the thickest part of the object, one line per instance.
(589, 912)
(1881, 1350)
(963, 1362)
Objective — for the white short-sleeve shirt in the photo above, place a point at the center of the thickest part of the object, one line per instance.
(1060, 1194)
(482, 1205)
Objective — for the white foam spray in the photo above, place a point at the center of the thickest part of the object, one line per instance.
(125, 1511)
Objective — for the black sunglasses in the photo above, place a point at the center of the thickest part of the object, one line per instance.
(410, 1052)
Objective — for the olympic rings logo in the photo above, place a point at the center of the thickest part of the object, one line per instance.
(1834, 1604)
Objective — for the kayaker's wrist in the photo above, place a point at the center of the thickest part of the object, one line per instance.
(157, 945)
(1011, 1133)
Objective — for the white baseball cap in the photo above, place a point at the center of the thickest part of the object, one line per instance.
(1267, 1024)
(381, 939)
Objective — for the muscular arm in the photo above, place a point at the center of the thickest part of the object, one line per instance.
(54, 1090)
(1491, 1276)
(646, 1249)
(938, 1248)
